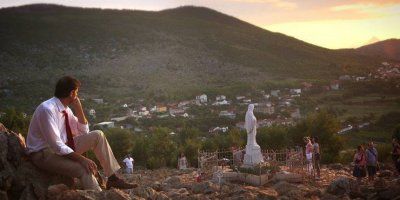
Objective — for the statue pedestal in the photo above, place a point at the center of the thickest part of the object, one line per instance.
(253, 156)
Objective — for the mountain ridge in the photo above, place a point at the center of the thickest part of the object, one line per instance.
(172, 52)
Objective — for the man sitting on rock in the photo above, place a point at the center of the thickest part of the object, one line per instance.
(57, 138)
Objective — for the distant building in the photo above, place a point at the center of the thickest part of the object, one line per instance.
(275, 93)
(104, 125)
(125, 105)
(118, 119)
(92, 112)
(183, 103)
(361, 78)
(176, 111)
(306, 86)
(144, 113)
(240, 97)
(202, 98)
(220, 103)
(240, 125)
(220, 98)
(335, 85)
(161, 109)
(218, 129)
(264, 123)
(99, 101)
(227, 114)
(246, 100)
(295, 113)
(295, 91)
(345, 77)
(265, 108)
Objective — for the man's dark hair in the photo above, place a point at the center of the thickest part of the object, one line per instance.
(65, 85)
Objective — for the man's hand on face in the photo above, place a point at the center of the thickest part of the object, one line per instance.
(76, 103)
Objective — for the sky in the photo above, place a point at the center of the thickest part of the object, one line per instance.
(328, 23)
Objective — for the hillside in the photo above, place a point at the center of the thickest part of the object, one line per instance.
(387, 49)
(121, 53)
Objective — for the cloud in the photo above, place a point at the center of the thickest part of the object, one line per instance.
(276, 3)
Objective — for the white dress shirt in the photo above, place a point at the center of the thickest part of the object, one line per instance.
(47, 127)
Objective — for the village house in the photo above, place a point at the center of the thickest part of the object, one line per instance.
(118, 119)
(161, 109)
(104, 125)
(183, 104)
(218, 129)
(264, 123)
(295, 113)
(306, 86)
(228, 114)
(220, 103)
(275, 93)
(240, 125)
(201, 98)
(295, 91)
(240, 97)
(344, 78)
(98, 101)
(246, 101)
(265, 108)
(92, 112)
(334, 85)
(176, 111)
(220, 98)
(361, 78)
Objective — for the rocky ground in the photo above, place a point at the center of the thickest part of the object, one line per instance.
(19, 179)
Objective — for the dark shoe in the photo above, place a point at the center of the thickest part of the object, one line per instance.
(120, 184)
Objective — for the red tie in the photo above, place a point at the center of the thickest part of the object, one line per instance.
(70, 139)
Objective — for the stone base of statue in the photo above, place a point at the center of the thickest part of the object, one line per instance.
(253, 156)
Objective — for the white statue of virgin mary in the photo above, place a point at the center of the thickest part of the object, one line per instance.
(253, 154)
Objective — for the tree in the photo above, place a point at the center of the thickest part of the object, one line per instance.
(15, 121)
(121, 142)
(325, 127)
(275, 137)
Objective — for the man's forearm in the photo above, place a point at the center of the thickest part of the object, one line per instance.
(74, 156)
(80, 115)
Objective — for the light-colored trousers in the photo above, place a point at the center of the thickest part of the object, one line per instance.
(129, 170)
(47, 160)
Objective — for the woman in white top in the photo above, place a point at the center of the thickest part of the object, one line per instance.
(309, 154)
(182, 162)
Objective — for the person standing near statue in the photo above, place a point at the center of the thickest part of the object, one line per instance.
(309, 154)
(182, 162)
(129, 164)
(372, 161)
(317, 156)
(253, 154)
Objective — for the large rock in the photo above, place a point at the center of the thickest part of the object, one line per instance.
(287, 177)
(336, 166)
(205, 187)
(18, 176)
(344, 186)
(340, 186)
(284, 187)
(385, 173)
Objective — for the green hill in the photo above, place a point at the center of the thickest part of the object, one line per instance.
(387, 49)
(120, 53)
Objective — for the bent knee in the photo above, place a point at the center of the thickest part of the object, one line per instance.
(98, 133)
